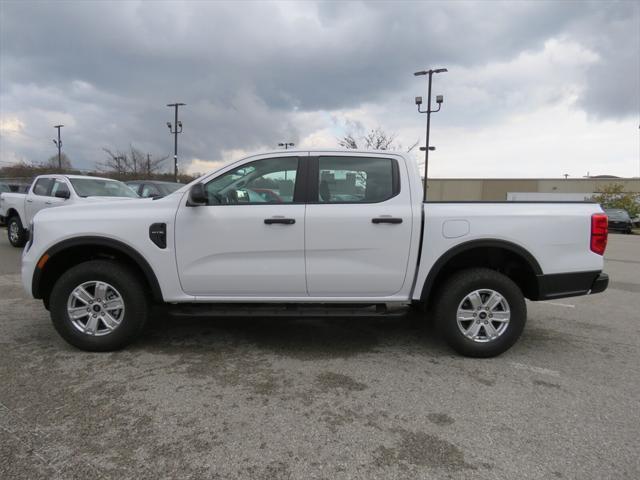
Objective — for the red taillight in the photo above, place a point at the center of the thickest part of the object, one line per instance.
(599, 232)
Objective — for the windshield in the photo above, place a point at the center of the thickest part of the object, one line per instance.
(168, 188)
(617, 214)
(99, 187)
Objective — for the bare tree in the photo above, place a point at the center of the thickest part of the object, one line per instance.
(376, 139)
(52, 162)
(348, 142)
(413, 146)
(133, 163)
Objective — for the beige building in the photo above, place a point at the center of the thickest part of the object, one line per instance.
(489, 189)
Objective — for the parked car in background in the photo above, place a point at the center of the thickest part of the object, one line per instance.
(153, 188)
(4, 188)
(619, 220)
(46, 191)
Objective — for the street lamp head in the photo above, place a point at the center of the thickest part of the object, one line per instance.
(180, 123)
(421, 72)
(169, 125)
(440, 70)
(439, 98)
(55, 142)
(58, 126)
(418, 100)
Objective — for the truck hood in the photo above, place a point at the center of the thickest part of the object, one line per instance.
(97, 209)
(105, 199)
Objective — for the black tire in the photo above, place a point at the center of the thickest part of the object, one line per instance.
(456, 289)
(21, 236)
(130, 288)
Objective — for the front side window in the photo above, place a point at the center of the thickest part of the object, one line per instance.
(42, 186)
(264, 181)
(59, 186)
(355, 180)
(149, 190)
(133, 186)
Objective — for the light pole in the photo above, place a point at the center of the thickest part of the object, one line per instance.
(177, 128)
(428, 111)
(286, 145)
(119, 167)
(59, 145)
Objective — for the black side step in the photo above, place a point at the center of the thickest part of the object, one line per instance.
(285, 310)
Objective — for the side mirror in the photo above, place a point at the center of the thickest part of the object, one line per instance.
(197, 196)
(63, 194)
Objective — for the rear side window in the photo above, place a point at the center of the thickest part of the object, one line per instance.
(356, 179)
(42, 186)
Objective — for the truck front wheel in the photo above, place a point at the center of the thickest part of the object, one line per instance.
(16, 233)
(480, 312)
(98, 306)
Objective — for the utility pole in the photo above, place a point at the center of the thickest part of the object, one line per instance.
(177, 128)
(148, 165)
(428, 111)
(286, 145)
(59, 145)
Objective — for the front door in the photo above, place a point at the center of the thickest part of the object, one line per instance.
(38, 197)
(249, 238)
(358, 226)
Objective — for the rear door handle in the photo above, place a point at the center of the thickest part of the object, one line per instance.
(29, 201)
(386, 220)
(283, 221)
(47, 203)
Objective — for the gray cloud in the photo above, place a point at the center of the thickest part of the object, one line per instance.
(245, 69)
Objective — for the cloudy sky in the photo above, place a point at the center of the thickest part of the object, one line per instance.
(533, 88)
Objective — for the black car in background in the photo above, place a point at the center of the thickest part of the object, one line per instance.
(153, 188)
(619, 220)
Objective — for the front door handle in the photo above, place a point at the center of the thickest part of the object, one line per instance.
(47, 203)
(283, 221)
(386, 220)
(29, 201)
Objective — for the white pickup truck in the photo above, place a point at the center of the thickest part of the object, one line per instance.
(18, 209)
(312, 233)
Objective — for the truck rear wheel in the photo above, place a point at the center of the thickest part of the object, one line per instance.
(98, 306)
(16, 233)
(480, 312)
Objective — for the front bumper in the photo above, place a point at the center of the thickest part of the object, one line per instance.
(28, 267)
(561, 285)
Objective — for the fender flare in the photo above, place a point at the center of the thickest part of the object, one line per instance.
(117, 245)
(466, 246)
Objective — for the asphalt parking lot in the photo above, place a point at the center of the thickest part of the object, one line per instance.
(327, 399)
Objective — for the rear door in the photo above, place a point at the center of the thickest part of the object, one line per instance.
(358, 226)
(249, 238)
